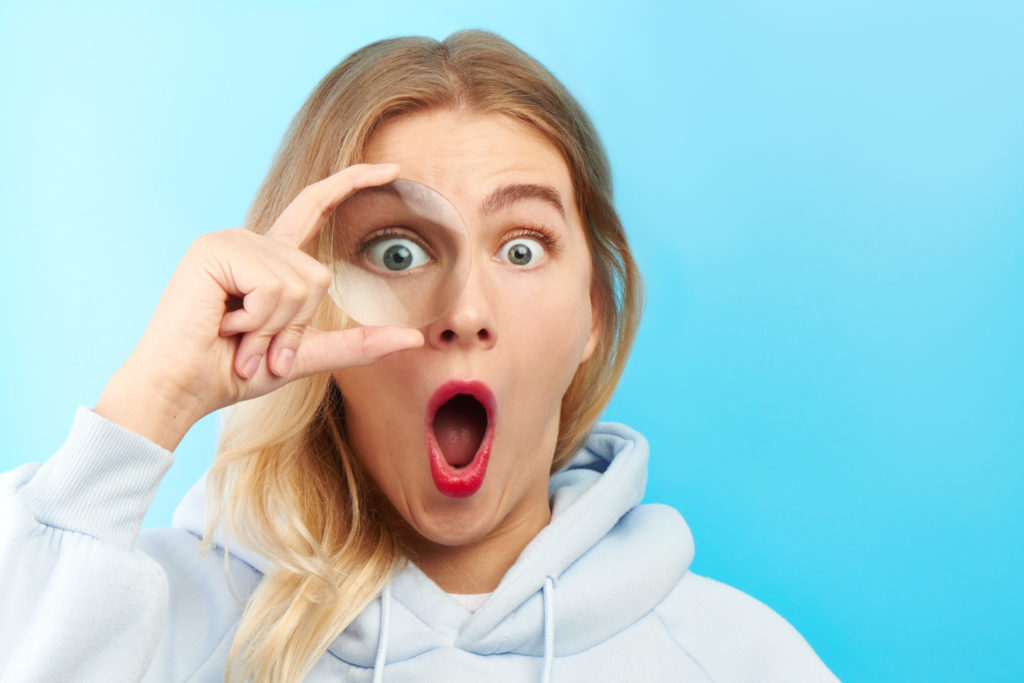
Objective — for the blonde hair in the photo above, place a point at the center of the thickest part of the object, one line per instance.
(285, 481)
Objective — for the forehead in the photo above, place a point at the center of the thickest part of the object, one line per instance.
(466, 155)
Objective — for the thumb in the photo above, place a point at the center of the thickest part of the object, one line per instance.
(322, 351)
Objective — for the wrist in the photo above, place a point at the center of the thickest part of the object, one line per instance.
(152, 406)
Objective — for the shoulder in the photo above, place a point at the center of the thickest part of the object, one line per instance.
(193, 570)
(206, 598)
(736, 637)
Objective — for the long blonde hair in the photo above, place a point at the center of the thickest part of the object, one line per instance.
(285, 482)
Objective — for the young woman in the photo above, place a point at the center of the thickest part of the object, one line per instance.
(410, 504)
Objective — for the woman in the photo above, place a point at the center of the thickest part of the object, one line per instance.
(386, 506)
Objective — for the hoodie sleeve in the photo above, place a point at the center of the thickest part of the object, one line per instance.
(77, 600)
(734, 637)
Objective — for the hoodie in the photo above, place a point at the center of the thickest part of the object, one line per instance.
(604, 592)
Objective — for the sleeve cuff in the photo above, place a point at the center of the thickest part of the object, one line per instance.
(100, 482)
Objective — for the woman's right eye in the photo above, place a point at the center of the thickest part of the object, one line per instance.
(397, 254)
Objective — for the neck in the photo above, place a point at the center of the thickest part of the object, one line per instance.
(479, 566)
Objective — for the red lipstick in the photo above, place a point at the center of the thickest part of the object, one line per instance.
(461, 481)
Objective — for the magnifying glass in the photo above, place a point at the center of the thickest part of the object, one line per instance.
(398, 253)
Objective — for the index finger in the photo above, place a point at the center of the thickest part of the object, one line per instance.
(305, 216)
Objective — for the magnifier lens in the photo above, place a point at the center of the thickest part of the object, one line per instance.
(398, 253)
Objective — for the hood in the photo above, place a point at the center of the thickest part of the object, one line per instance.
(600, 565)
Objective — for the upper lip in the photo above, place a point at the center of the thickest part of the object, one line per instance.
(470, 387)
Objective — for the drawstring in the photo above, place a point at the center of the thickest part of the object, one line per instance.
(382, 638)
(385, 631)
(549, 628)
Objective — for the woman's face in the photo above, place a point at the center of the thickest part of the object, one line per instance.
(465, 469)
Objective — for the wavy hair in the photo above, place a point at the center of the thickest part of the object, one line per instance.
(285, 482)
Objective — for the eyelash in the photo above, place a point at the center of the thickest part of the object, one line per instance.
(388, 234)
(548, 239)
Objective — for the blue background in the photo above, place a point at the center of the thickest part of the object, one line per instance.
(827, 200)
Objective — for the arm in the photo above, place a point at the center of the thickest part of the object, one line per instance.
(734, 637)
(77, 601)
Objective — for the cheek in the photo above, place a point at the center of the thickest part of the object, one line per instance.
(373, 406)
(375, 381)
(549, 326)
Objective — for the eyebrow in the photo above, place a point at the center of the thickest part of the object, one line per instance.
(419, 193)
(388, 189)
(506, 195)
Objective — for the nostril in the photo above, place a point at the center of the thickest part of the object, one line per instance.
(450, 336)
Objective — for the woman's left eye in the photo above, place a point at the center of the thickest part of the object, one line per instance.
(522, 251)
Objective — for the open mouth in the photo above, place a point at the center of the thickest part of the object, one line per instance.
(460, 430)
(459, 426)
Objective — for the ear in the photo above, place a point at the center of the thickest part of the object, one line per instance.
(596, 309)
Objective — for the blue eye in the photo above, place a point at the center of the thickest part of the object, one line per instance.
(522, 251)
(397, 254)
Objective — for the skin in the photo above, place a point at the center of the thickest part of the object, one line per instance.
(522, 330)
(234, 324)
(196, 357)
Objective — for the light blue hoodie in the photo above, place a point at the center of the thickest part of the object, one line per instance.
(603, 593)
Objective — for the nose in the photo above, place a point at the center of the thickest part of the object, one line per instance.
(470, 323)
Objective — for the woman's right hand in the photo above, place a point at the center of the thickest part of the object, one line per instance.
(200, 352)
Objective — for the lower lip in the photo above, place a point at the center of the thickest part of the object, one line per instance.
(460, 482)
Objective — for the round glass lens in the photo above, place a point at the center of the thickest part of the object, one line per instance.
(399, 255)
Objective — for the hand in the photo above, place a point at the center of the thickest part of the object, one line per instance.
(196, 355)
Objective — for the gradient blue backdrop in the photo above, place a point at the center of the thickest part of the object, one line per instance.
(827, 199)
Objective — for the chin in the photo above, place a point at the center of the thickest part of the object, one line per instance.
(454, 527)
(462, 479)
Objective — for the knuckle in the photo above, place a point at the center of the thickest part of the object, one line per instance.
(321, 277)
(323, 206)
(292, 283)
(273, 288)
(314, 197)
(362, 340)
(204, 242)
(265, 298)
(295, 291)
(220, 239)
(255, 341)
(293, 332)
(241, 235)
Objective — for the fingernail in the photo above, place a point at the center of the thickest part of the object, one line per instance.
(285, 358)
(252, 366)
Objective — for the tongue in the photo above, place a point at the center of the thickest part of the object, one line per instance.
(459, 428)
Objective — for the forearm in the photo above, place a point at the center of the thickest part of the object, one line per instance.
(77, 601)
(148, 405)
